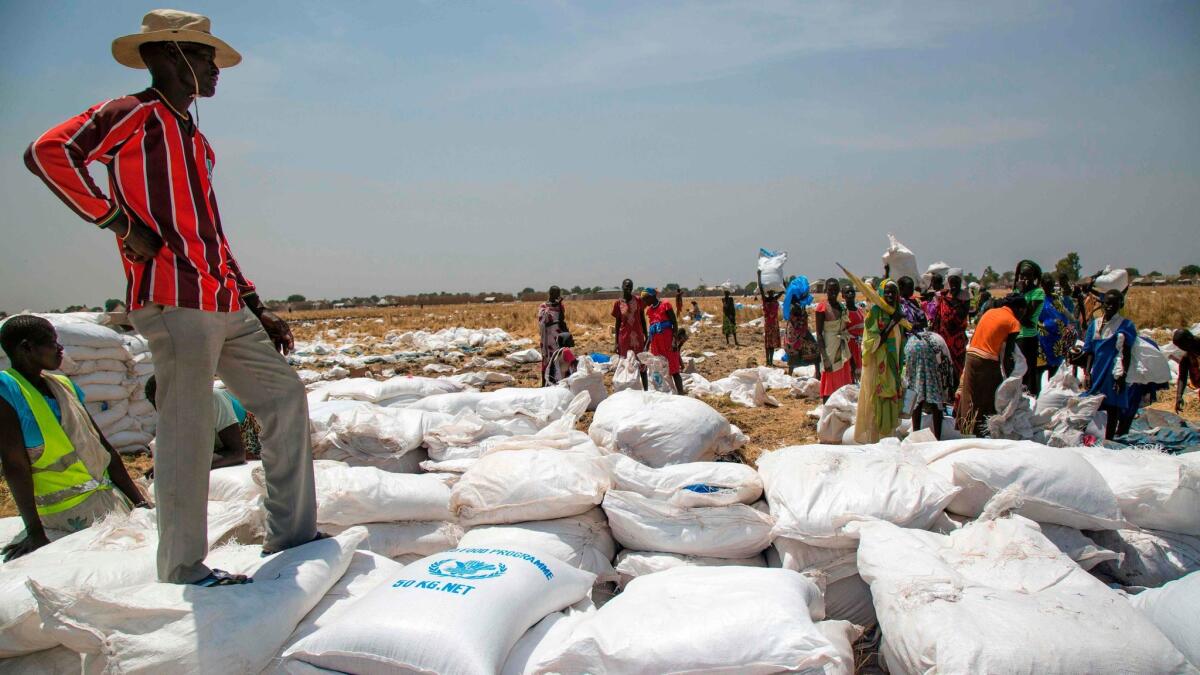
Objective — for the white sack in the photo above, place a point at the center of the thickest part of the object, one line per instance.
(900, 260)
(155, 628)
(1054, 485)
(837, 415)
(1155, 490)
(376, 432)
(112, 377)
(998, 597)
(392, 540)
(1076, 546)
(690, 484)
(1151, 365)
(588, 378)
(106, 392)
(1111, 280)
(771, 266)
(835, 571)
(626, 373)
(646, 524)
(1175, 610)
(815, 490)
(661, 429)
(656, 626)
(351, 495)
(399, 389)
(116, 552)
(1149, 558)
(545, 638)
(633, 564)
(481, 599)
(366, 571)
(658, 373)
(520, 485)
(842, 635)
(525, 356)
(582, 541)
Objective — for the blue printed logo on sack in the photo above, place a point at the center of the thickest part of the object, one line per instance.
(466, 569)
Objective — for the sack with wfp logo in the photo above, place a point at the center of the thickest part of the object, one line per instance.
(456, 612)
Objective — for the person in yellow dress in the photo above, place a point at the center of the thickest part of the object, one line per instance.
(880, 394)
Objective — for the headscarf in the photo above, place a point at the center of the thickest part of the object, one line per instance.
(883, 284)
(797, 291)
(649, 293)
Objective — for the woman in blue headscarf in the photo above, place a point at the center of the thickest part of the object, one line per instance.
(799, 342)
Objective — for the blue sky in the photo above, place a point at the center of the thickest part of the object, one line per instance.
(398, 147)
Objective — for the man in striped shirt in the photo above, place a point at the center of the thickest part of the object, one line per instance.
(185, 291)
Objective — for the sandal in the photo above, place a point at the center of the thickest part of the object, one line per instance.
(319, 537)
(222, 578)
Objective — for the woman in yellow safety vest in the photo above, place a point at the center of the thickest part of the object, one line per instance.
(59, 467)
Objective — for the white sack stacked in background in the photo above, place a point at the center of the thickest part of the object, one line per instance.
(1148, 558)
(582, 541)
(659, 429)
(633, 564)
(98, 360)
(482, 600)
(998, 597)
(364, 434)
(665, 623)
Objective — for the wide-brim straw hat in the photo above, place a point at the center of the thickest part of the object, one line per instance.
(173, 25)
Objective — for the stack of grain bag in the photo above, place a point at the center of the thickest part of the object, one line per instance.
(691, 514)
(99, 361)
(816, 492)
(405, 515)
(540, 492)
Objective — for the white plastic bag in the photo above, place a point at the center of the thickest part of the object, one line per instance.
(155, 628)
(646, 524)
(1155, 490)
(1049, 485)
(658, 622)
(633, 564)
(901, 262)
(691, 484)
(1112, 280)
(582, 541)
(481, 599)
(625, 373)
(959, 603)
(590, 379)
(660, 429)
(771, 265)
(521, 485)
(1148, 558)
(1175, 609)
(816, 490)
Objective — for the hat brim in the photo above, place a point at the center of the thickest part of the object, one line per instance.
(125, 49)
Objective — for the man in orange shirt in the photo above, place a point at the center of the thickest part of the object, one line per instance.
(989, 359)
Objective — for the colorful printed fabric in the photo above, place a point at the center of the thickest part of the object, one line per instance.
(630, 337)
(770, 311)
(662, 338)
(928, 368)
(950, 322)
(1102, 343)
(880, 395)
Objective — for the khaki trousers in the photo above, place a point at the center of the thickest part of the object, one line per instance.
(188, 347)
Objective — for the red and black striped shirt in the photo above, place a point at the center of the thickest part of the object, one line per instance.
(159, 173)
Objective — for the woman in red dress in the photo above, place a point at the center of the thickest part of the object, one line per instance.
(662, 329)
(630, 329)
(952, 309)
(770, 315)
(854, 325)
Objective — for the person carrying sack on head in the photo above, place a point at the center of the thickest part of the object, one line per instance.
(186, 292)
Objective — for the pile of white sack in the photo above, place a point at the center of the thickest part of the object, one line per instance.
(111, 368)
(750, 387)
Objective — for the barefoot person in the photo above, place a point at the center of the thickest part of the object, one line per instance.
(186, 292)
(630, 330)
(770, 315)
(62, 472)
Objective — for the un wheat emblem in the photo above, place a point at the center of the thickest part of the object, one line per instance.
(466, 569)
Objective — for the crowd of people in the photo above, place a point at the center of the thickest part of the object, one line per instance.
(933, 347)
